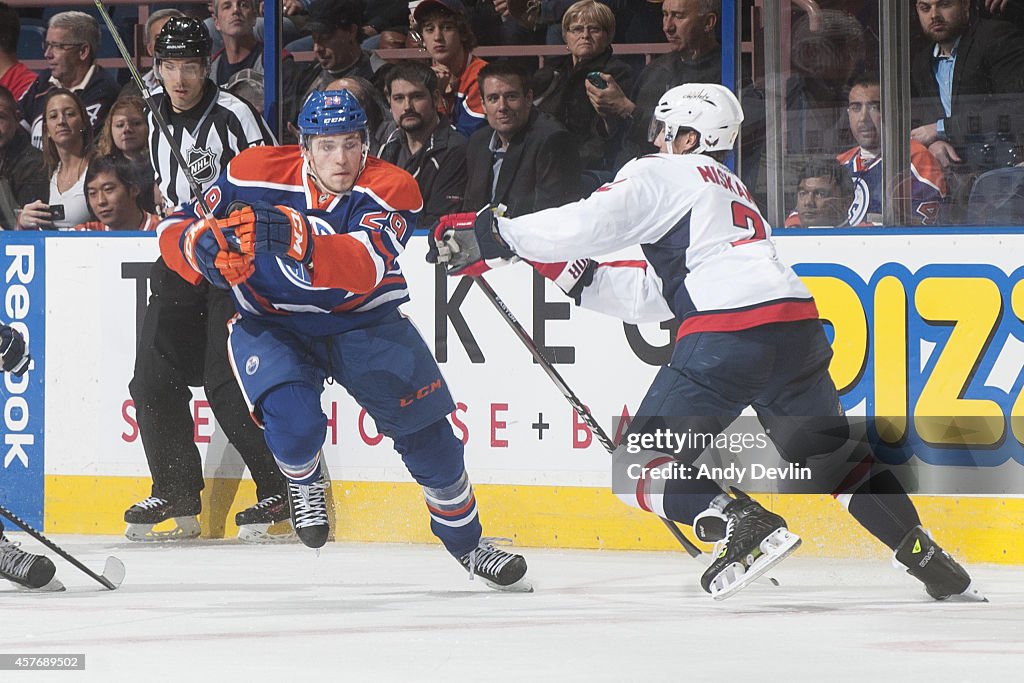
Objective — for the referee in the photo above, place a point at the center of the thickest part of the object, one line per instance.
(184, 334)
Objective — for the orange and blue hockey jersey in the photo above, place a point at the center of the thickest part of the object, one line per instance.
(467, 113)
(927, 186)
(354, 279)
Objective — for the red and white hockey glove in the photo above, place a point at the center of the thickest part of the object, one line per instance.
(570, 277)
(469, 243)
(278, 230)
(211, 258)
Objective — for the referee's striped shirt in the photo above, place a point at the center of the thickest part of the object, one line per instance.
(209, 135)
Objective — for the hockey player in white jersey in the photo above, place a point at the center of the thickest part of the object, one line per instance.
(749, 334)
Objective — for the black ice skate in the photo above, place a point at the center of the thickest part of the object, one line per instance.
(146, 514)
(254, 522)
(499, 569)
(942, 576)
(25, 570)
(755, 540)
(308, 505)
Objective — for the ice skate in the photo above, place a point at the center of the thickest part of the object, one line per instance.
(308, 505)
(942, 576)
(500, 570)
(146, 514)
(25, 570)
(755, 540)
(254, 523)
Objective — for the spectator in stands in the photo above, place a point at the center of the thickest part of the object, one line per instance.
(422, 141)
(969, 74)
(67, 146)
(14, 75)
(927, 184)
(113, 192)
(155, 22)
(21, 164)
(560, 86)
(335, 25)
(525, 160)
(823, 196)
(242, 51)
(72, 41)
(125, 135)
(450, 41)
(689, 25)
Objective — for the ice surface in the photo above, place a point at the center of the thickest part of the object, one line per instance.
(221, 611)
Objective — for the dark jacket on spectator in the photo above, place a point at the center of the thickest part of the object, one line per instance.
(987, 81)
(541, 168)
(21, 165)
(312, 77)
(98, 94)
(439, 169)
(559, 89)
(663, 73)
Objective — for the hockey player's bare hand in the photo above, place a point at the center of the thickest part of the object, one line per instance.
(278, 230)
(469, 243)
(14, 356)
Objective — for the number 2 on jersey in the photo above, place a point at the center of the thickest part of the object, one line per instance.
(748, 218)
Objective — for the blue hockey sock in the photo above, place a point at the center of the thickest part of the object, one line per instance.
(295, 428)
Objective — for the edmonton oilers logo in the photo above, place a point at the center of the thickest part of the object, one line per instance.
(200, 164)
(252, 365)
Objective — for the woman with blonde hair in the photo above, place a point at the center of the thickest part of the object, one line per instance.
(125, 135)
(67, 147)
(560, 86)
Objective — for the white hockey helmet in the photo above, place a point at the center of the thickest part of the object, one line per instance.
(709, 109)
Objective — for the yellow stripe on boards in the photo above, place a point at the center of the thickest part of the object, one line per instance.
(973, 529)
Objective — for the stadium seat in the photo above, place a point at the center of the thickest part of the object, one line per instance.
(997, 198)
(30, 42)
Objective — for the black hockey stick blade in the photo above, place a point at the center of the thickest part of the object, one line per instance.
(113, 572)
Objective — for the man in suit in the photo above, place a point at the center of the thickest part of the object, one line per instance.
(968, 77)
(524, 159)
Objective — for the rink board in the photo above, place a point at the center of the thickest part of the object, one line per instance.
(948, 304)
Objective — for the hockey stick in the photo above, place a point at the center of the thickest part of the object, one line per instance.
(154, 109)
(571, 397)
(113, 571)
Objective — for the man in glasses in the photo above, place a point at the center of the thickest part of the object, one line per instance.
(70, 48)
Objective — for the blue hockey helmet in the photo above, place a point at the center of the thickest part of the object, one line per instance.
(329, 112)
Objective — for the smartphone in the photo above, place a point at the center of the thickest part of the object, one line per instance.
(56, 212)
(595, 79)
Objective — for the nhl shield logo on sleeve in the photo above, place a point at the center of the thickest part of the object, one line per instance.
(252, 364)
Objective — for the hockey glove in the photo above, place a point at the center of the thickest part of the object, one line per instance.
(469, 243)
(277, 230)
(221, 267)
(14, 356)
(570, 277)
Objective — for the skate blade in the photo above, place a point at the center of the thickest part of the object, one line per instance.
(971, 594)
(54, 586)
(187, 528)
(734, 578)
(260, 534)
(523, 585)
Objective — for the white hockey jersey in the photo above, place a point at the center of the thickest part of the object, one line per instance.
(711, 262)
